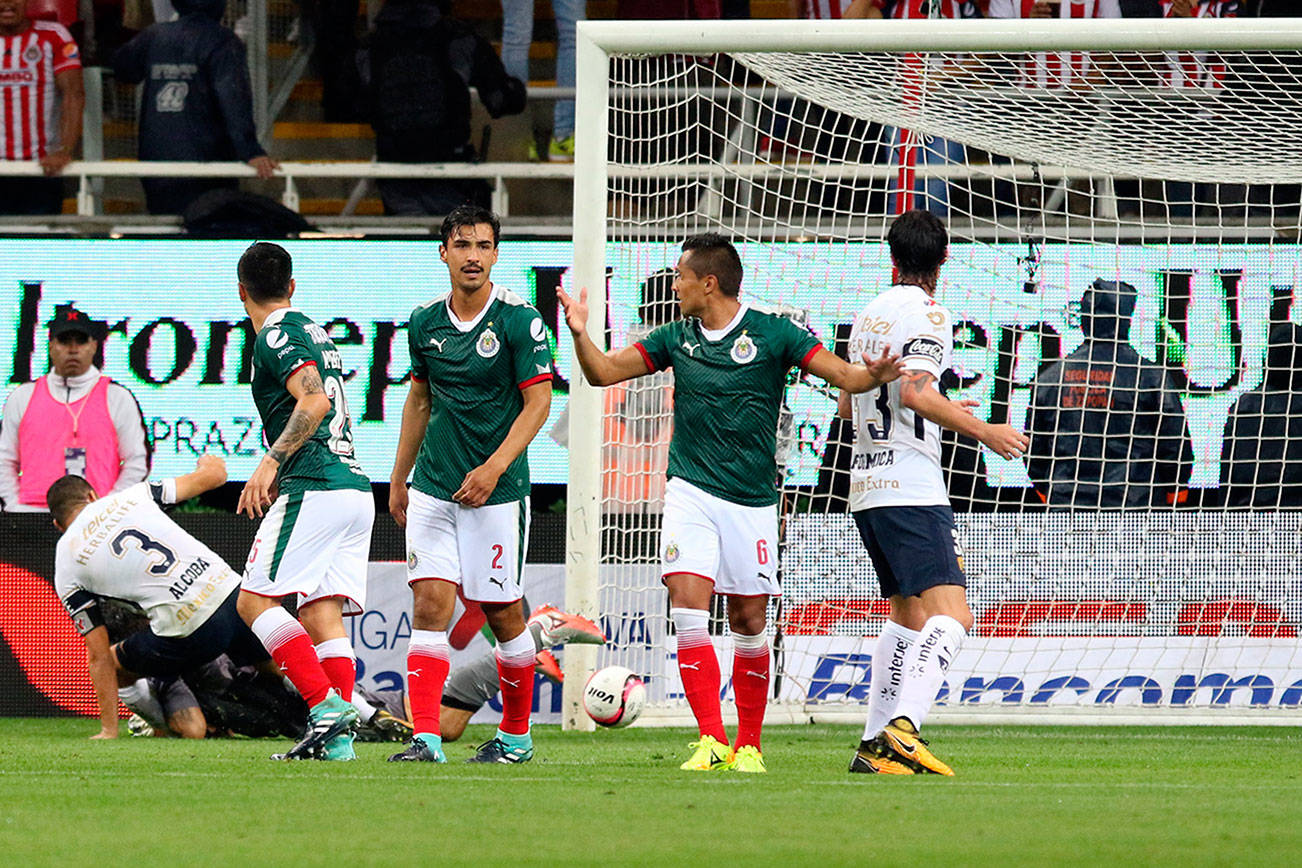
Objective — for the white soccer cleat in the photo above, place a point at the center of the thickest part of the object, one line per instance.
(562, 628)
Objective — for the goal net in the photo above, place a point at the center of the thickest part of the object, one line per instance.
(1124, 250)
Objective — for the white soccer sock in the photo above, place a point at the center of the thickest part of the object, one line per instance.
(925, 667)
(518, 651)
(752, 644)
(431, 642)
(340, 647)
(691, 622)
(364, 708)
(887, 676)
(140, 699)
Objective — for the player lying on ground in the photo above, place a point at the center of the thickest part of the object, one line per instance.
(470, 687)
(481, 371)
(720, 527)
(900, 503)
(123, 546)
(314, 541)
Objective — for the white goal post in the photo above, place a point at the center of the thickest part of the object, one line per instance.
(1123, 204)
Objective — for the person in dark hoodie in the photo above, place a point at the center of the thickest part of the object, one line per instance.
(418, 69)
(1106, 426)
(197, 103)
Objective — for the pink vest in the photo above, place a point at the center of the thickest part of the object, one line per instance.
(49, 427)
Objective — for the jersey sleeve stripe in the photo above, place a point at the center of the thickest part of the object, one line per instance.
(809, 356)
(651, 366)
(291, 374)
(416, 379)
(541, 378)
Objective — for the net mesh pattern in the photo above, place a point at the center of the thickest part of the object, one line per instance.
(1121, 278)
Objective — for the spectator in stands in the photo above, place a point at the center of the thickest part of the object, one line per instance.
(1261, 457)
(197, 103)
(420, 65)
(1106, 426)
(73, 420)
(830, 9)
(333, 25)
(517, 36)
(41, 99)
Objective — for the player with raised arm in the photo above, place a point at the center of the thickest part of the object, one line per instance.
(720, 527)
(481, 372)
(314, 542)
(899, 500)
(122, 546)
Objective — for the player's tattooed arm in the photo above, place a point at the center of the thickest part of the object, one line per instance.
(303, 421)
(310, 406)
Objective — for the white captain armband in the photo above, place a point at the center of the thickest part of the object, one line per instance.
(83, 608)
(164, 492)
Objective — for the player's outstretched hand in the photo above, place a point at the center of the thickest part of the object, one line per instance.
(257, 494)
(885, 367)
(576, 312)
(398, 499)
(968, 405)
(478, 486)
(1006, 441)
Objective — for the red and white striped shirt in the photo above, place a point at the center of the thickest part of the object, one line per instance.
(1197, 68)
(923, 8)
(29, 103)
(1059, 69)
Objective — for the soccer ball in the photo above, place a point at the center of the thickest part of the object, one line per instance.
(614, 696)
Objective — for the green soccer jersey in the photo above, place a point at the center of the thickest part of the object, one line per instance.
(728, 389)
(287, 342)
(476, 372)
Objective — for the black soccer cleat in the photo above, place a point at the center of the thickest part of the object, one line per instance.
(497, 751)
(417, 751)
(867, 762)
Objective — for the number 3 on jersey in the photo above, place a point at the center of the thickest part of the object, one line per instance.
(341, 430)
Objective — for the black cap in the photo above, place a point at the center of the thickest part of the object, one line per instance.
(68, 319)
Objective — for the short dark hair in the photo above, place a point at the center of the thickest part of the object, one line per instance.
(265, 270)
(918, 242)
(65, 494)
(711, 253)
(470, 215)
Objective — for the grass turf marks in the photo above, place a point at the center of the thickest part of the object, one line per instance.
(1023, 795)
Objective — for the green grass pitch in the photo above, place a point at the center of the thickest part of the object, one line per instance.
(1024, 795)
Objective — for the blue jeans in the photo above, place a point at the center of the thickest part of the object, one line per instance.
(517, 36)
(931, 151)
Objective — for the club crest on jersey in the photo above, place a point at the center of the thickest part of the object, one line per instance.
(672, 553)
(411, 561)
(488, 344)
(32, 54)
(743, 349)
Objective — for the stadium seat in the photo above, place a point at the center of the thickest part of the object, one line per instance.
(62, 11)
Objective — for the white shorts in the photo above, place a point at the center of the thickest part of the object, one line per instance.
(479, 548)
(733, 546)
(315, 544)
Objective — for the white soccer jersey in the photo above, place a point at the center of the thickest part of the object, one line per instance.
(123, 546)
(896, 455)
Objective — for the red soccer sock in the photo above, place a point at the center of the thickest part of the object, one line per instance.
(698, 666)
(427, 671)
(515, 660)
(750, 687)
(292, 649)
(340, 666)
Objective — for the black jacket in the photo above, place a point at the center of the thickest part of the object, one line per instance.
(1107, 428)
(198, 103)
(420, 67)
